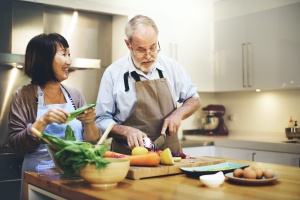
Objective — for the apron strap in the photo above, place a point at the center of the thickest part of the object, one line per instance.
(160, 73)
(137, 78)
(126, 81)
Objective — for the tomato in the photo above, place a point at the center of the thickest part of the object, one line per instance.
(159, 152)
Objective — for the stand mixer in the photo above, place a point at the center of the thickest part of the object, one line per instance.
(213, 123)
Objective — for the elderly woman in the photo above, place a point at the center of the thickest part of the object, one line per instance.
(45, 103)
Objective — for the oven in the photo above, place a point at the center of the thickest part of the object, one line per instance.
(10, 164)
(10, 174)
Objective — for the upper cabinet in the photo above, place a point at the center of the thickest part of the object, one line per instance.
(289, 45)
(259, 50)
(246, 52)
(188, 38)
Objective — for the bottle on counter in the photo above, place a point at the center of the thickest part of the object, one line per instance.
(296, 124)
(291, 122)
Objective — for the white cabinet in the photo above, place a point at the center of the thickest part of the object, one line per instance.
(199, 151)
(186, 36)
(258, 156)
(246, 49)
(289, 45)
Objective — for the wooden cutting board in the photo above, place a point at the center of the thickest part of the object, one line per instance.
(136, 172)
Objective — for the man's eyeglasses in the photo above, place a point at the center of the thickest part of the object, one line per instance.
(140, 53)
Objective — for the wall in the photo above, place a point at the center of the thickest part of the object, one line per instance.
(266, 112)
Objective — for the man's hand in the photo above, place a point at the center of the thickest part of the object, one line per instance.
(135, 137)
(171, 124)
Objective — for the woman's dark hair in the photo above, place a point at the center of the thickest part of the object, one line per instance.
(39, 56)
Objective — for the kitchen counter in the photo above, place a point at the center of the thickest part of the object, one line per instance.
(254, 141)
(167, 187)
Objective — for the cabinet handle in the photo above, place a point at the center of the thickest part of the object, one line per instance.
(299, 163)
(248, 64)
(243, 63)
(253, 155)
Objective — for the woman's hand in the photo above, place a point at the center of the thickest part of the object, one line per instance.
(56, 114)
(88, 116)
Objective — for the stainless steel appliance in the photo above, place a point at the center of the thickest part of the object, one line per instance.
(213, 123)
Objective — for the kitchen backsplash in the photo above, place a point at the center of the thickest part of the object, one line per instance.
(266, 112)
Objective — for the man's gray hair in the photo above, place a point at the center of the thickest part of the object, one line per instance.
(136, 22)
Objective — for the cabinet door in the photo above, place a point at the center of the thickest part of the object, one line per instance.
(277, 158)
(262, 44)
(246, 49)
(199, 151)
(233, 153)
(289, 45)
(192, 44)
(230, 35)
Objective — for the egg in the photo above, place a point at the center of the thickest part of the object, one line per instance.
(247, 168)
(269, 173)
(249, 173)
(238, 173)
(259, 173)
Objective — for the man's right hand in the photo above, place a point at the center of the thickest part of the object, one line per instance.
(135, 137)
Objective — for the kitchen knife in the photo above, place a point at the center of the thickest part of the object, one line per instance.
(160, 143)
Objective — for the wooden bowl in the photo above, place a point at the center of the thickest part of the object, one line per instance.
(113, 173)
(52, 150)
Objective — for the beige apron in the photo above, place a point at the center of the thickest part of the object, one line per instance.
(154, 103)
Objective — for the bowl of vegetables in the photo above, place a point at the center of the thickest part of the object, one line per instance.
(70, 155)
(109, 176)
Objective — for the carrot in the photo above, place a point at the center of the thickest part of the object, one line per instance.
(111, 154)
(149, 159)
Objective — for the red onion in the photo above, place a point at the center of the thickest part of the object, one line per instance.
(148, 144)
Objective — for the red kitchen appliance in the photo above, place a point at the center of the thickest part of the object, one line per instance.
(213, 122)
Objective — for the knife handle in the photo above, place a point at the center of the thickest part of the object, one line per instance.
(167, 131)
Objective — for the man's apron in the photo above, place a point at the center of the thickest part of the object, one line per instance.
(154, 103)
(39, 160)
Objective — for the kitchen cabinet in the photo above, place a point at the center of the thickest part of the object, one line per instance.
(246, 49)
(199, 151)
(289, 45)
(186, 36)
(258, 156)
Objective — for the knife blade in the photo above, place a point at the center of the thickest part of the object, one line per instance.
(160, 143)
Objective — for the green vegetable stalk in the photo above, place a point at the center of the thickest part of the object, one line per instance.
(79, 111)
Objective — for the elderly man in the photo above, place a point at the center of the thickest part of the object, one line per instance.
(140, 92)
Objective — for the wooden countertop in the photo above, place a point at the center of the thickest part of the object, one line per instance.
(173, 187)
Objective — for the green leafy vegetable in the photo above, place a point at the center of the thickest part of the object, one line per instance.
(71, 158)
(69, 134)
(70, 154)
(79, 111)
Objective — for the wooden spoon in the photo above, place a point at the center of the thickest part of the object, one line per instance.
(103, 137)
